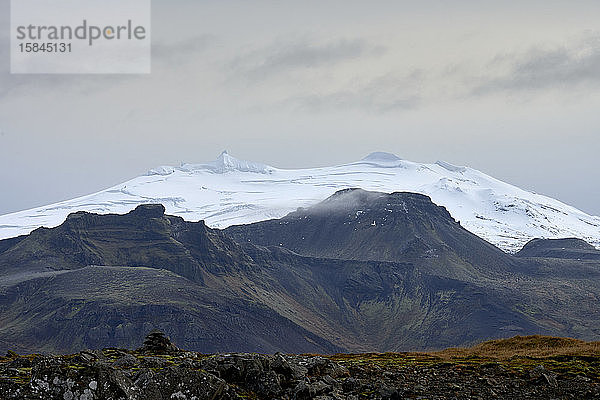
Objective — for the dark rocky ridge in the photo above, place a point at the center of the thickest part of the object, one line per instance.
(570, 248)
(8, 243)
(95, 306)
(416, 281)
(355, 224)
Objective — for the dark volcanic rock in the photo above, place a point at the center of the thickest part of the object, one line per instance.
(192, 376)
(571, 248)
(356, 224)
(156, 342)
(149, 211)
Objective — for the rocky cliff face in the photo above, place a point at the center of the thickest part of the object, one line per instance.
(570, 249)
(355, 224)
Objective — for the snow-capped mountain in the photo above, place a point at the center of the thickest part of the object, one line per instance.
(228, 191)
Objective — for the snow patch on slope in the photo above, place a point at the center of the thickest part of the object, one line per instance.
(222, 165)
(226, 163)
(450, 167)
(162, 170)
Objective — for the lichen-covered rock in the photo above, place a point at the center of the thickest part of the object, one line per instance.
(113, 374)
(126, 361)
(182, 384)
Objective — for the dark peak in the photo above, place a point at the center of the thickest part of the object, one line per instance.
(77, 215)
(149, 211)
(156, 342)
(352, 196)
(143, 210)
(360, 199)
(366, 195)
(355, 224)
(345, 191)
(568, 248)
(345, 200)
(356, 193)
(566, 243)
(411, 195)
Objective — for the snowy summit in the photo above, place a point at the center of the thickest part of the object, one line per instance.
(229, 191)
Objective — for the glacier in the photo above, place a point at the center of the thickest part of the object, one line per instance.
(229, 191)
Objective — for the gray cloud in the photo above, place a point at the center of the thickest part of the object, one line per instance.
(276, 78)
(23, 84)
(285, 57)
(183, 50)
(30, 84)
(387, 93)
(540, 69)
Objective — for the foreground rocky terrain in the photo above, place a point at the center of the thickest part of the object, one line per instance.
(518, 368)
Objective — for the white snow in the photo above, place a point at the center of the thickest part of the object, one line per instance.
(228, 191)
(226, 163)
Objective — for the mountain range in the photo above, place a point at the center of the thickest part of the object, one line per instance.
(359, 271)
(229, 192)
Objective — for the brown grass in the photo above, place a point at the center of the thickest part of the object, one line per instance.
(519, 354)
(535, 346)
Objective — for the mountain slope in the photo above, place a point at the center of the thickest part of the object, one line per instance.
(53, 285)
(142, 237)
(96, 307)
(103, 280)
(230, 191)
(400, 227)
(570, 248)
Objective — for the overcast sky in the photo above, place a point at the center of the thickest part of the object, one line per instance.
(511, 88)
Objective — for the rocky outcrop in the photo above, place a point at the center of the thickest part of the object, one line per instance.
(356, 224)
(569, 248)
(114, 374)
(157, 342)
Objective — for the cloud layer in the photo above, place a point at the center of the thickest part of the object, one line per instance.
(511, 90)
(565, 67)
